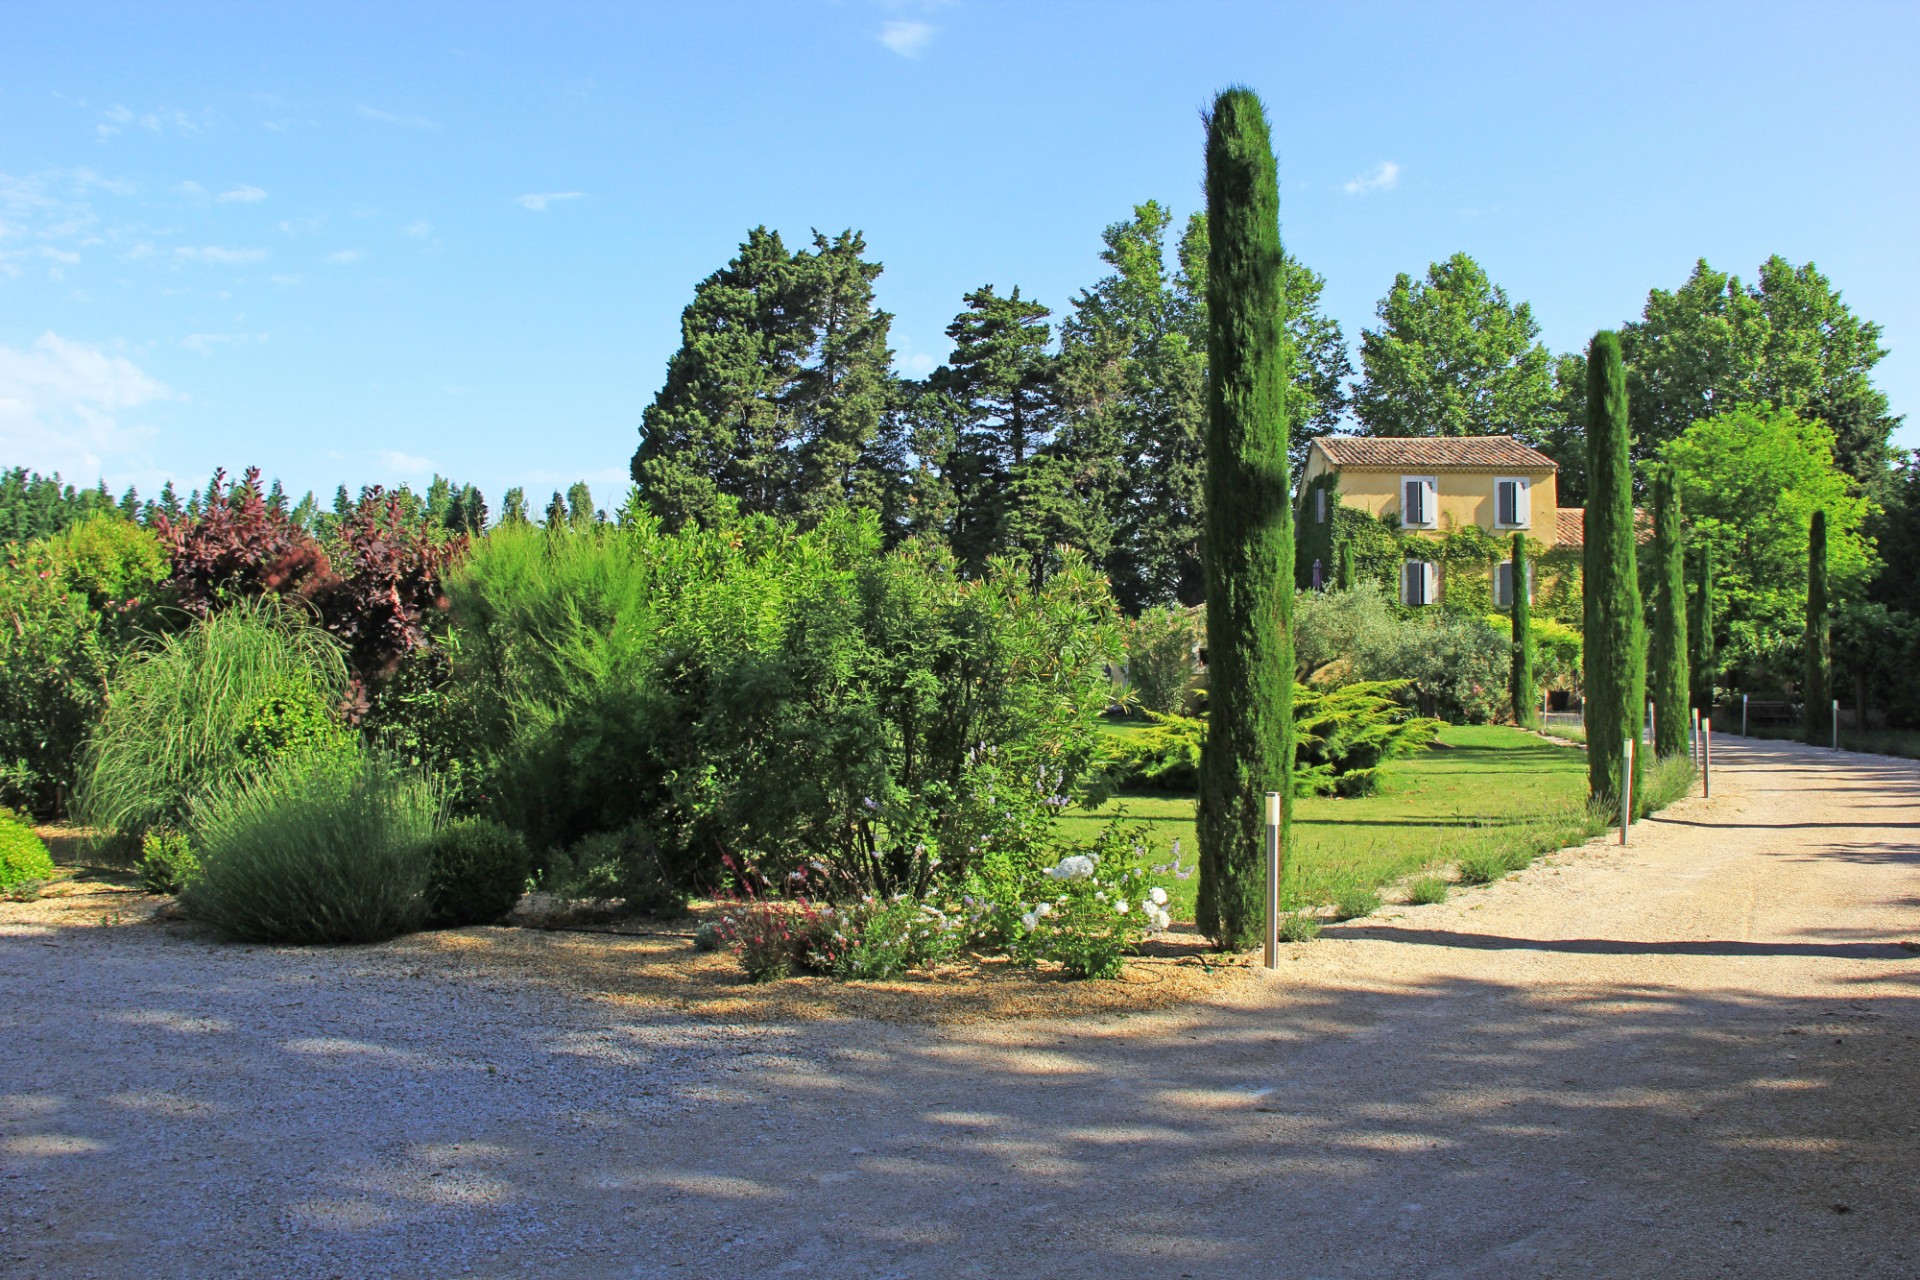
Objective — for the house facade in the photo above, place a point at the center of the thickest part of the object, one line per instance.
(1432, 486)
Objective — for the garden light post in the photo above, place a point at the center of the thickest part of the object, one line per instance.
(1626, 788)
(1706, 759)
(1693, 738)
(1836, 724)
(1743, 715)
(1273, 879)
(1650, 738)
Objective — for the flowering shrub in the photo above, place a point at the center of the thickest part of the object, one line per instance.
(772, 939)
(885, 939)
(1092, 922)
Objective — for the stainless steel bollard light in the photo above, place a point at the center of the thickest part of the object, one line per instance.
(1626, 789)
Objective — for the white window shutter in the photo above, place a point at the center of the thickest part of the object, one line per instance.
(1523, 502)
(1429, 502)
(1432, 574)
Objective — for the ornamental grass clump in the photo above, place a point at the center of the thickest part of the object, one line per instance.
(323, 848)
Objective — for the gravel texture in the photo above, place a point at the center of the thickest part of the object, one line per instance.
(1695, 1057)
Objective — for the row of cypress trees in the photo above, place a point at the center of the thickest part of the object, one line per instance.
(1248, 543)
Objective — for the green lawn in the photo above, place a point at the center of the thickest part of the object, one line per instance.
(1484, 789)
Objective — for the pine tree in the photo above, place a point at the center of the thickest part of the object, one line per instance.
(774, 399)
(580, 505)
(1667, 649)
(1249, 534)
(513, 507)
(1526, 698)
(1615, 643)
(557, 521)
(1817, 682)
(1348, 578)
(1706, 672)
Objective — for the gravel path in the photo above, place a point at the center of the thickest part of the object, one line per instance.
(1697, 1056)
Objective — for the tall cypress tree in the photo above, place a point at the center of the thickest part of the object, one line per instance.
(1346, 579)
(1615, 648)
(1526, 698)
(1706, 672)
(1248, 547)
(1667, 650)
(1817, 681)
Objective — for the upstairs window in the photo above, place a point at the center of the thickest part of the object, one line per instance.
(1503, 584)
(1512, 504)
(1417, 494)
(1419, 582)
(1319, 506)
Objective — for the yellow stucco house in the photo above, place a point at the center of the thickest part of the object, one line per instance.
(1432, 485)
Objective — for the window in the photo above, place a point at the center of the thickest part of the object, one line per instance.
(1320, 506)
(1419, 582)
(1503, 584)
(1512, 505)
(1417, 502)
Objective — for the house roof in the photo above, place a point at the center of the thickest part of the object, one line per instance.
(1434, 453)
(1570, 526)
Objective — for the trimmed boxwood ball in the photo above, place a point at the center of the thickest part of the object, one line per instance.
(476, 870)
(22, 855)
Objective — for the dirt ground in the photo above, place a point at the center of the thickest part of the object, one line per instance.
(1696, 1056)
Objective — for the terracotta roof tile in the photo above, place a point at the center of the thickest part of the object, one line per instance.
(1435, 453)
(1570, 526)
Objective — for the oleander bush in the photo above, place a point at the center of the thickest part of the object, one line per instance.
(319, 848)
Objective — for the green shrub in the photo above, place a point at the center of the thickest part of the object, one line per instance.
(1424, 891)
(23, 858)
(624, 866)
(476, 871)
(1345, 735)
(202, 711)
(1161, 647)
(324, 848)
(708, 937)
(167, 860)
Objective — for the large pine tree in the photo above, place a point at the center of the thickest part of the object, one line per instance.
(1249, 534)
(1615, 644)
(777, 390)
(1667, 649)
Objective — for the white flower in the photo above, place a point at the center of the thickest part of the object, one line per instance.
(1077, 867)
(1121, 906)
(1031, 920)
(1044, 909)
(1158, 895)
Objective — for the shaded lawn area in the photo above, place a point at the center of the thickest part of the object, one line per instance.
(1485, 788)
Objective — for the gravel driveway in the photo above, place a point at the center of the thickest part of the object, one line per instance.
(1694, 1057)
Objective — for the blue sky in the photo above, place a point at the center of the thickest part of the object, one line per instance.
(364, 243)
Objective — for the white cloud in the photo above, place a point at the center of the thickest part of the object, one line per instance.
(390, 117)
(242, 194)
(1385, 178)
(908, 39)
(214, 255)
(420, 228)
(538, 201)
(344, 257)
(61, 404)
(405, 463)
